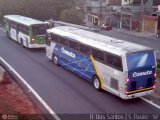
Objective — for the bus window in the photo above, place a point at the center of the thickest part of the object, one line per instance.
(84, 49)
(73, 45)
(55, 38)
(39, 29)
(13, 25)
(63, 41)
(114, 61)
(140, 59)
(23, 29)
(98, 54)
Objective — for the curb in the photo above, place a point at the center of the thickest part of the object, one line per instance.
(37, 100)
(150, 38)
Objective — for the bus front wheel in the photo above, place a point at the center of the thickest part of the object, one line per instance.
(55, 59)
(96, 83)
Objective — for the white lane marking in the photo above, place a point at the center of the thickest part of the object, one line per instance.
(150, 102)
(32, 90)
(1, 28)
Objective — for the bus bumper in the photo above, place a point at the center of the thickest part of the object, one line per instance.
(37, 46)
(140, 94)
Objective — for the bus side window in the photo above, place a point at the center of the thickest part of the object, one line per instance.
(99, 55)
(55, 38)
(26, 30)
(114, 61)
(64, 41)
(13, 25)
(84, 49)
(73, 45)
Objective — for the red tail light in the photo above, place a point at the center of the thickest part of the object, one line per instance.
(155, 75)
(126, 92)
(127, 80)
(154, 86)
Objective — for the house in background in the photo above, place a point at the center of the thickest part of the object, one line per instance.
(132, 12)
(98, 12)
(95, 11)
(128, 14)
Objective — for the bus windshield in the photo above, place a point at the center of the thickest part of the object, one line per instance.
(39, 29)
(140, 59)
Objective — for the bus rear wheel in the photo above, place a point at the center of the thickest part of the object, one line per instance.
(21, 42)
(96, 83)
(55, 59)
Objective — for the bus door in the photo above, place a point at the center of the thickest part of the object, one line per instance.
(141, 71)
(13, 31)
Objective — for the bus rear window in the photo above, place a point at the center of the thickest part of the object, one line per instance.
(140, 59)
(39, 29)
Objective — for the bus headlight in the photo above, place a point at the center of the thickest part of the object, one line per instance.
(33, 39)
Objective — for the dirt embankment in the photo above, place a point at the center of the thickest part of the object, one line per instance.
(14, 102)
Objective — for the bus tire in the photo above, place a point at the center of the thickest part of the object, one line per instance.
(21, 42)
(96, 83)
(55, 59)
(8, 34)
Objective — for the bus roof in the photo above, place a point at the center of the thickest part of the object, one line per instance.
(102, 42)
(23, 20)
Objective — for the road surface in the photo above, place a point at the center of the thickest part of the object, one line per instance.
(62, 90)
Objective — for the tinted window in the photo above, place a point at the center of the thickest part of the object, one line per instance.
(55, 38)
(98, 54)
(39, 29)
(140, 59)
(73, 45)
(13, 25)
(63, 41)
(24, 29)
(114, 61)
(84, 49)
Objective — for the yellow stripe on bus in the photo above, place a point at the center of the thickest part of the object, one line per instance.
(97, 71)
(151, 88)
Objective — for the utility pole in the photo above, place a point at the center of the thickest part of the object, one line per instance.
(142, 5)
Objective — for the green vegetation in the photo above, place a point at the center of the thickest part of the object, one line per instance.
(44, 9)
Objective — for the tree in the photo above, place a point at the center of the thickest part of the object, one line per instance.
(42, 9)
(71, 16)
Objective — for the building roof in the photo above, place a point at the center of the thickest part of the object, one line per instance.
(23, 20)
(105, 43)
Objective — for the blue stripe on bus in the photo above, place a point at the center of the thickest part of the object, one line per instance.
(75, 61)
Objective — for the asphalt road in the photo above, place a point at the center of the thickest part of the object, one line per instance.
(139, 40)
(63, 91)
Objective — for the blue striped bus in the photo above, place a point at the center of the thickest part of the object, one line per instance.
(122, 68)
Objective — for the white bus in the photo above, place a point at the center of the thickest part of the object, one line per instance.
(28, 32)
(125, 69)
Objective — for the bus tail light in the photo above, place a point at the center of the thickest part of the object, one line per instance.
(155, 76)
(126, 92)
(154, 87)
(126, 88)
